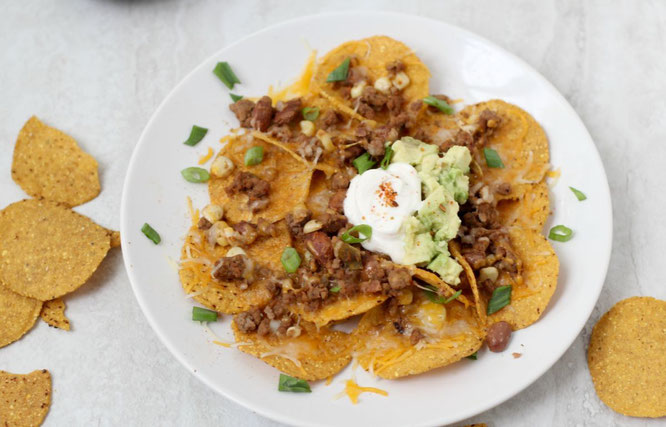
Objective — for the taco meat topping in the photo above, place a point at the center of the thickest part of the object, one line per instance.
(229, 269)
(288, 112)
(243, 111)
(256, 189)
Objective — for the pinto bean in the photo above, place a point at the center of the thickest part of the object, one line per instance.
(498, 336)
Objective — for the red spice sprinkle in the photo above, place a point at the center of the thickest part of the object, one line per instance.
(387, 194)
(442, 208)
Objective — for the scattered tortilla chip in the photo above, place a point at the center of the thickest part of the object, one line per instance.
(24, 399)
(451, 333)
(374, 54)
(317, 353)
(198, 258)
(627, 357)
(340, 309)
(115, 238)
(48, 250)
(49, 163)
(17, 315)
(53, 313)
(289, 187)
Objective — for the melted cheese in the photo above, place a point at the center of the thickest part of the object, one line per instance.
(301, 86)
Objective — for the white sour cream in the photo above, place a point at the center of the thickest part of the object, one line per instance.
(383, 199)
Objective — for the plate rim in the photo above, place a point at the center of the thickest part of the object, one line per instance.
(267, 411)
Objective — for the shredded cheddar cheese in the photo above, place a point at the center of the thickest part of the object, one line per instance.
(353, 391)
(203, 159)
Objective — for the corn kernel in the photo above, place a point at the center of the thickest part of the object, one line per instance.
(357, 90)
(383, 84)
(326, 140)
(307, 127)
(222, 167)
(235, 251)
(401, 80)
(312, 225)
(213, 213)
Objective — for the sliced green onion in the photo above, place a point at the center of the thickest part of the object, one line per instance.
(335, 289)
(310, 113)
(579, 194)
(195, 174)
(435, 297)
(473, 356)
(196, 135)
(493, 159)
(501, 297)
(292, 384)
(363, 162)
(290, 259)
(151, 233)
(363, 233)
(254, 155)
(235, 97)
(560, 233)
(340, 73)
(224, 72)
(388, 155)
(203, 315)
(440, 104)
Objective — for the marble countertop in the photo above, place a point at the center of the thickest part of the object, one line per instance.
(97, 69)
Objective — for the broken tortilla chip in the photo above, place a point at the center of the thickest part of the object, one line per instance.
(49, 163)
(288, 188)
(24, 399)
(114, 236)
(48, 250)
(316, 354)
(340, 309)
(627, 357)
(53, 313)
(17, 315)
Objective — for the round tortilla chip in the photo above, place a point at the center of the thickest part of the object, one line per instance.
(53, 313)
(17, 315)
(373, 53)
(50, 164)
(317, 353)
(48, 250)
(24, 399)
(340, 309)
(289, 186)
(227, 297)
(627, 357)
(388, 354)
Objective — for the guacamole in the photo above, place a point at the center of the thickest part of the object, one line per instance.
(445, 186)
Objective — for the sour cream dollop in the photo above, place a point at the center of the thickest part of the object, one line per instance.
(383, 199)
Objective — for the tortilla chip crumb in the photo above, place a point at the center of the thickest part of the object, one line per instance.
(516, 355)
(53, 313)
(627, 357)
(24, 399)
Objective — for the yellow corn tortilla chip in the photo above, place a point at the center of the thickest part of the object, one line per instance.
(627, 357)
(53, 313)
(374, 54)
(388, 354)
(17, 315)
(434, 280)
(340, 309)
(289, 179)
(24, 399)
(316, 354)
(454, 248)
(227, 297)
(48, 250)
(114, 236)
(49, 163)
(319, 194)
(328, 169)
(532, 211)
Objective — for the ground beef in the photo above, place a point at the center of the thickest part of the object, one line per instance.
(281, 132)
(248, 321)
(243, 111)
(296, 220)
(503, 189)
(265, 228)
(395, 67)
(373, 98)
(394, 102)
(246, 233)
(264, 327)
(399, 278)
(262, 114)
(319, 244)
(416, 336)
(340, 181)
(228, 269)
(372, 268)
(204, 224)
(256, 189)
(331, 223)
(349, 255)
(337, 200)
(328, 119)
(488, 121)
(371, 286)
(288, 112)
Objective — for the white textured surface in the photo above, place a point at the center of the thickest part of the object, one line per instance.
(98, 69)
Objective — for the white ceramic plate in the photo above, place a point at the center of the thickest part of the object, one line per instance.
(464, 66)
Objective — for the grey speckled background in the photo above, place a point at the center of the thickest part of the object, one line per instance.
(98, 69)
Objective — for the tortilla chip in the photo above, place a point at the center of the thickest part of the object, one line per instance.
(328, 169)
(316, 354)
(532, 211)
(454, 248)
(289, 184)
(627, 357)
(24, 399)
(340, 309)
(53, 313)
(373, 53)
(227, 297)
(114, 236)
(434, 280)
(48, 250)
(17, 315)
(388, 354)
(49, 163)
(319, 194)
